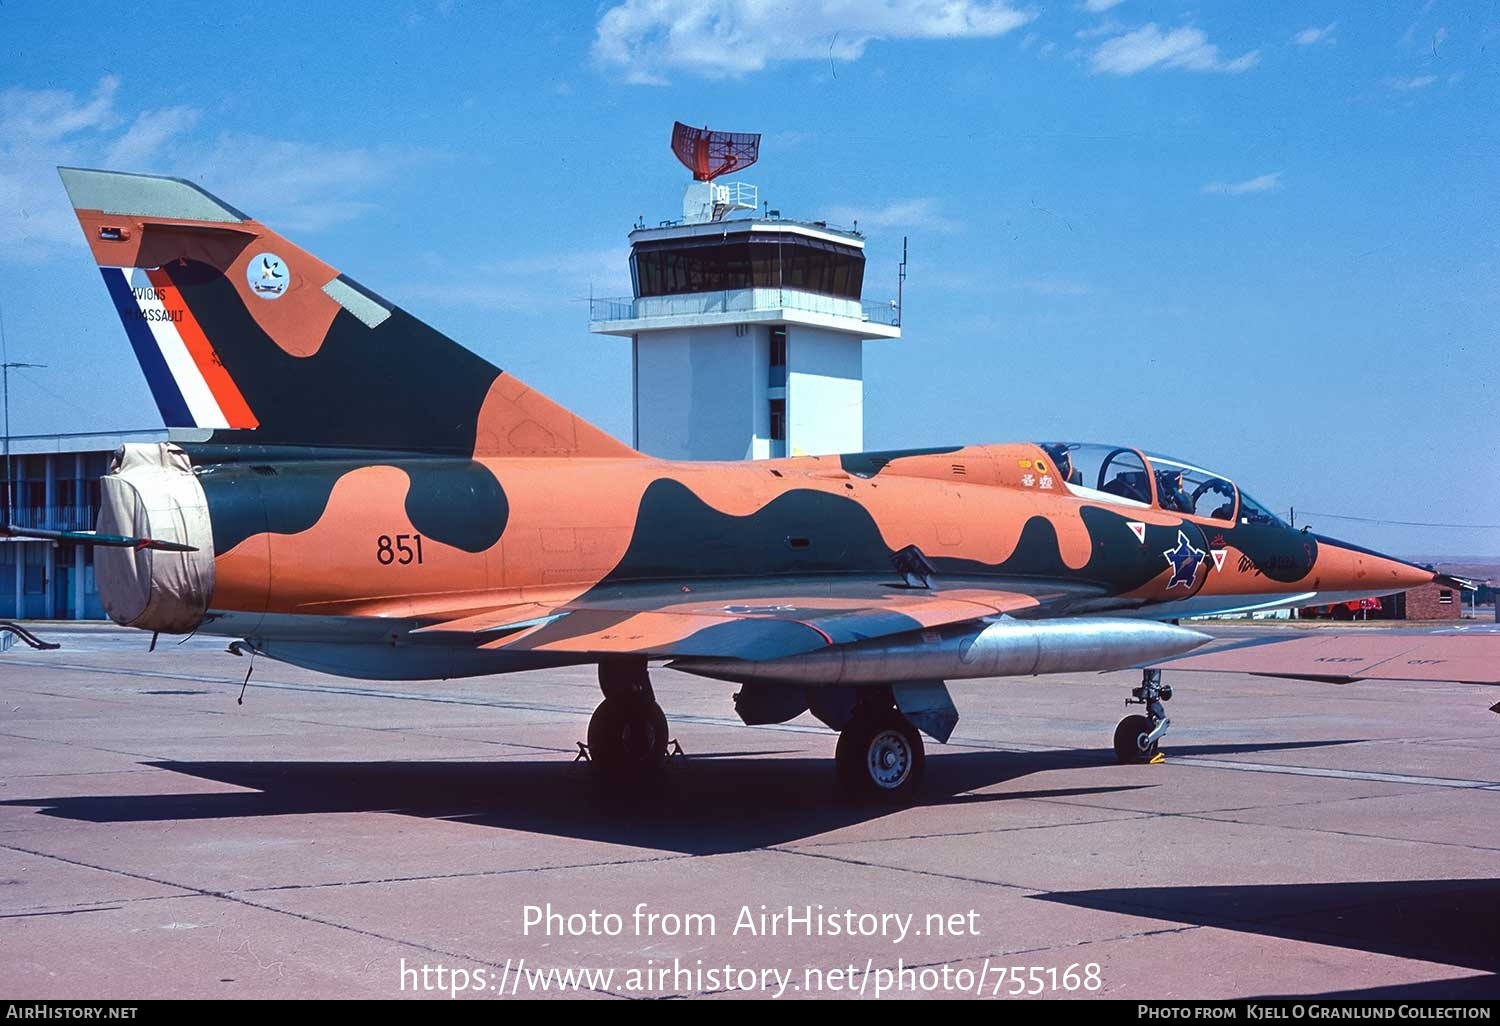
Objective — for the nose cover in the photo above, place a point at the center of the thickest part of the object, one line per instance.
(151, 492)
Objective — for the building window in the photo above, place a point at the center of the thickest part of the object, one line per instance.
(1445, 597)
(778, 420)
(778, 347)
(760, 260)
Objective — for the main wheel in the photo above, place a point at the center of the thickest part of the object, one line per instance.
(627, 738)
(880, 757)
(1128, 733)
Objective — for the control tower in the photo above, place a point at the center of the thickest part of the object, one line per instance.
(747, 327)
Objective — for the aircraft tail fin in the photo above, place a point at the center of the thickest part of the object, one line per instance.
(256, 342)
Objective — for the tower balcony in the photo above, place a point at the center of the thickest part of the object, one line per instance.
(626, 315)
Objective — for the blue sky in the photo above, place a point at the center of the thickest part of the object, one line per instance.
(1264, 237)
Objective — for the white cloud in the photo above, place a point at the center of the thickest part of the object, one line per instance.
(1107, 27)
(1149, 47)
(729, 38)
(296, 186)
(291, 185)
(1407, 85)
(1313, 36)
(921, 212)
(1098, 6)
(1409, 36)
(145, 137)
(1262, 183)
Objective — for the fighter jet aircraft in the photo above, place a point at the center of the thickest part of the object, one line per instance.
(349, 490)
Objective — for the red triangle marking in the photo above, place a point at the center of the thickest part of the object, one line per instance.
(1219, 555)
(1138, 529)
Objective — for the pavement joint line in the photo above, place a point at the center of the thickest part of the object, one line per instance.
(278, 718)
(120, 903)
(428, 877)
(901, 869)
(1297, 805)
(1214, 816)
(137, 768)
(275, 685)
(60, 912)
(190, 891)
(963, 833)
(1211, 818)
(126, 752)
(1065, 801)
(216, 737)
(1318, 771)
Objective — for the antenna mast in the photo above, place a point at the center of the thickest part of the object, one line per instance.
(901, 283)
(5, 367)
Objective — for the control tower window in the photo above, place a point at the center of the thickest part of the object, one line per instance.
(778, 420)
(762, 260)
(778, 347)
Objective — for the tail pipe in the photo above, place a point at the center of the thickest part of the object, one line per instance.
(1004, 648)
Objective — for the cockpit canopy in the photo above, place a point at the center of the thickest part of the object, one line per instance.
(1122, 475)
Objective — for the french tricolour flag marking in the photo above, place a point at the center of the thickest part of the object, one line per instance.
(187, 379)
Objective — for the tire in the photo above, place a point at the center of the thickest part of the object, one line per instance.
(880, 757)
(1127, 749)
(627, 739)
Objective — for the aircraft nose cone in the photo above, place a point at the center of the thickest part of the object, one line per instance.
(1345, 567)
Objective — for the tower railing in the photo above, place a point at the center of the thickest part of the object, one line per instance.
(627, 308)
(56, 518)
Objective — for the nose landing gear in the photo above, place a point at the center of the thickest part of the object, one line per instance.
(1137, 737)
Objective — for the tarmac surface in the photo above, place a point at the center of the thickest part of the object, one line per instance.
(159, 840)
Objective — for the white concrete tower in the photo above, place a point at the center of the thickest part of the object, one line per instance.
(747, 331)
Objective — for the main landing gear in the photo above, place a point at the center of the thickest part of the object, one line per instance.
(1137, 737)
(628, 731)
(880, 756)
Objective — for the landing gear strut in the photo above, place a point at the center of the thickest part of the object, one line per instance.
(1137, 737)
(880, 755)
(628, 731)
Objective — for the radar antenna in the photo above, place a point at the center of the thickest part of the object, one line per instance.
(710, 154)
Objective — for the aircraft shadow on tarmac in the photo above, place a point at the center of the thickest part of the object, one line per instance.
(716, 804)
(1453, 922)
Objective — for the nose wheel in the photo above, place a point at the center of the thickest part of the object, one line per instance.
(880, 756)
(1137, 737)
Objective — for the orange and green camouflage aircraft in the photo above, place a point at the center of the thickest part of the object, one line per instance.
(349, 490)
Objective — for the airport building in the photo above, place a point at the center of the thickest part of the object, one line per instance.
(747, 328)
(54, 485)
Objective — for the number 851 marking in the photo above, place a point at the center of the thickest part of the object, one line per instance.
(387, 552)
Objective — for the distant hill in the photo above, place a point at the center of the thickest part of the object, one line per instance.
(1473, 568)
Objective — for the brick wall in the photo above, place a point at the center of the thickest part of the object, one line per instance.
(1428, 603)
